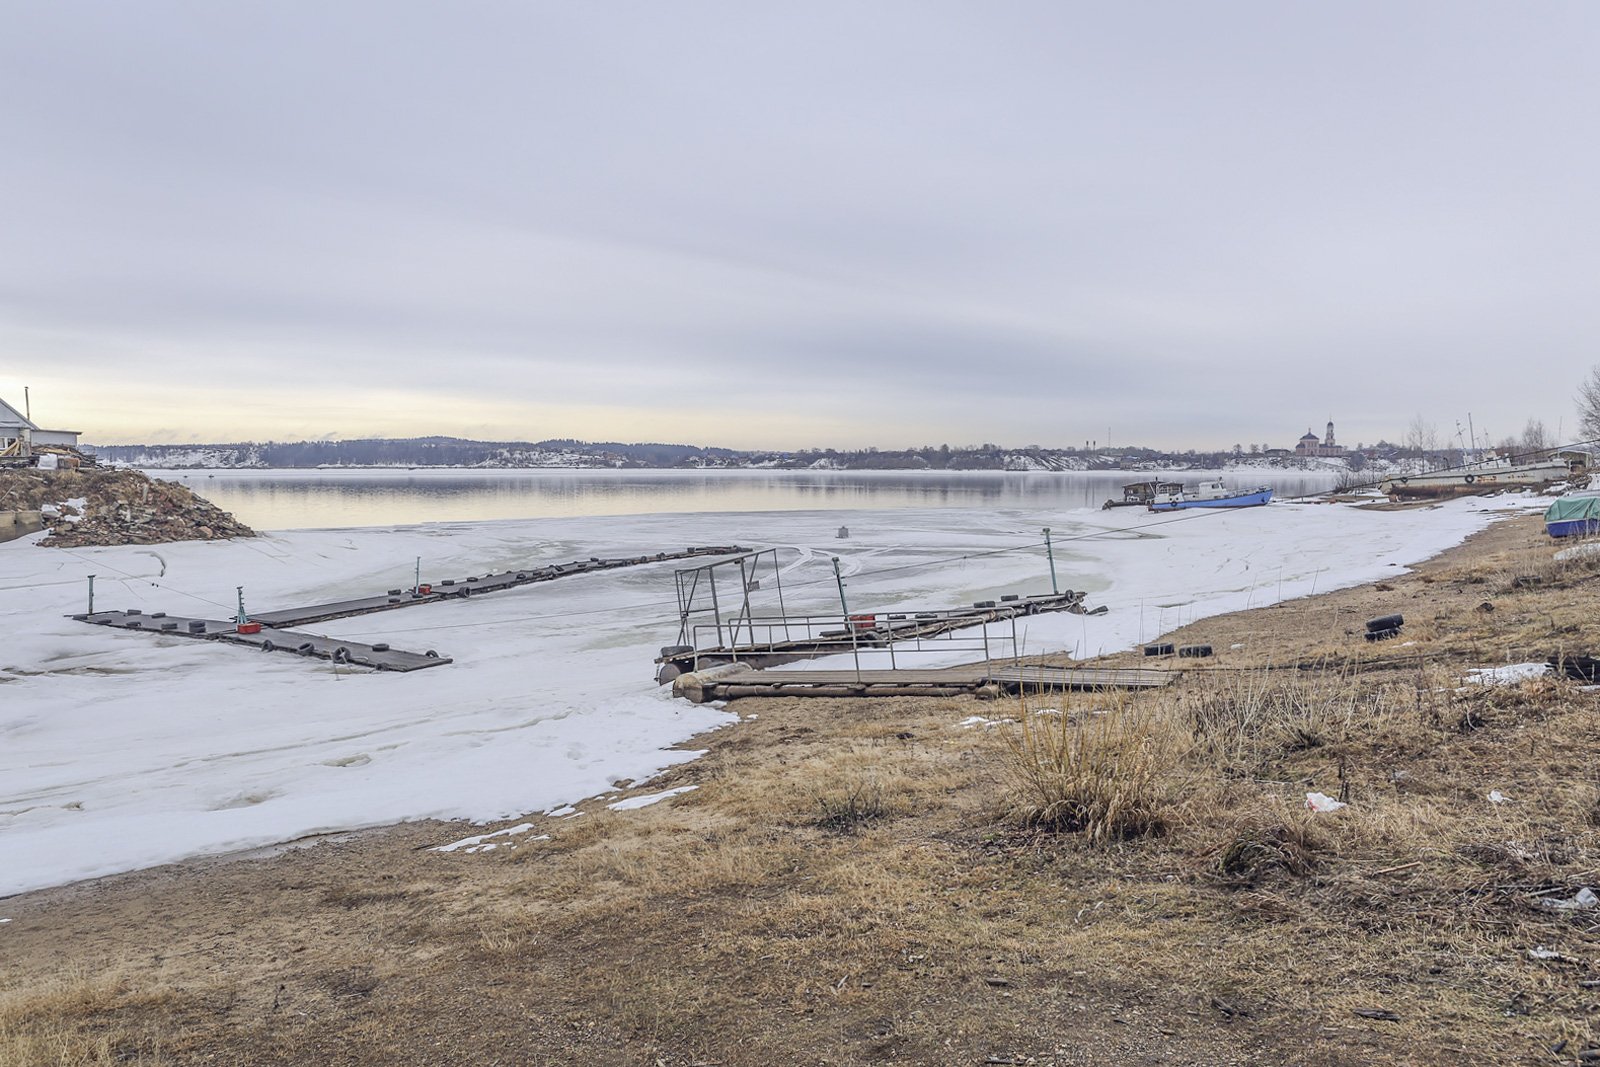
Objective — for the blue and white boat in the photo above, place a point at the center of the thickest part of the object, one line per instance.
(1209, 495)
(1574, 515)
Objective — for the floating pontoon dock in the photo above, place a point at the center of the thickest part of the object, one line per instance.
(265, 630)
(454, 588)
(380, 656)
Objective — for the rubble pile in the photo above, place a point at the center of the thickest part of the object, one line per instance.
(115, 507)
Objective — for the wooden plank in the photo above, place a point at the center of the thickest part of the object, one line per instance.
(733, 681)
(1083, 677)
(973, 678)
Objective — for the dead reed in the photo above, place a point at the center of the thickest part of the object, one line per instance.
(1094, 766)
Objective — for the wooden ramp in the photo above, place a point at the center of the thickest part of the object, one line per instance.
(730, 681)
(379, 657)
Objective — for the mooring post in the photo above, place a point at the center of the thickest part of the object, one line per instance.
(416, 587)
(91, 594)
(242, 620)
(1051, 552)
(855, 650)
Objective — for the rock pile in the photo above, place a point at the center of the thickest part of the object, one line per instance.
(99, 506)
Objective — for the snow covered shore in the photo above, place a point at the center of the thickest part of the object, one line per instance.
(122, 750)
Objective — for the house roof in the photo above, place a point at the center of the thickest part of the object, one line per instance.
(11, 417)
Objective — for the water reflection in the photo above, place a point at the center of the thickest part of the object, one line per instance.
(300, 499)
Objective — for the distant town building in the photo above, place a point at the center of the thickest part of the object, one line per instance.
(1310, 446)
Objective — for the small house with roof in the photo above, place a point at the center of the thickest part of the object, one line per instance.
(22, 434)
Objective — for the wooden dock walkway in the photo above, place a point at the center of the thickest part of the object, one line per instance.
(379, 656)
(732, 680)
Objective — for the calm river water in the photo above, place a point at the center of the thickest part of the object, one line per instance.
(303, 499)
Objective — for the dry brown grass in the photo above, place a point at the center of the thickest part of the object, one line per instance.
(72, 1019)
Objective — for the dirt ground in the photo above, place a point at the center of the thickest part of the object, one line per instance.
(857, 881)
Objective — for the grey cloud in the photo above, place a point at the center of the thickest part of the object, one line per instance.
(1201, 223)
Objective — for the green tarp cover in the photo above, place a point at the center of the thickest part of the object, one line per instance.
(1571, 509)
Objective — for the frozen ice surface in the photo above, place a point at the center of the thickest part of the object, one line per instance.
(122, 750)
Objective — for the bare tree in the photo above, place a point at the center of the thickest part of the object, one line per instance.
(1422, 435)
(1535, 438)
(1589, 406)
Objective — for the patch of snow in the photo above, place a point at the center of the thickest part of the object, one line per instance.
(477, 844)
(979, 720)
(1511, 674)
(645, 801)
(1542, 952)
(1497, 797)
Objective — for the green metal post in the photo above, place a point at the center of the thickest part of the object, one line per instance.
(855, 649)
(242, 620)
(1051, 552)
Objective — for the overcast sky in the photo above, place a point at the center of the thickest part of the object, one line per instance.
(795, 225)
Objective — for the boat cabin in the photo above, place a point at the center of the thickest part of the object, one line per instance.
(1138, 493)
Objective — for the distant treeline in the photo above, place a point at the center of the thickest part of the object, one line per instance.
(407, 452)
(562, 452)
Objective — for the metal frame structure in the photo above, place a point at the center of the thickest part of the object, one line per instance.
(881, 632)
(698, 585)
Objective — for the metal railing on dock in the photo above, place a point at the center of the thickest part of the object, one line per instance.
(767, 641)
